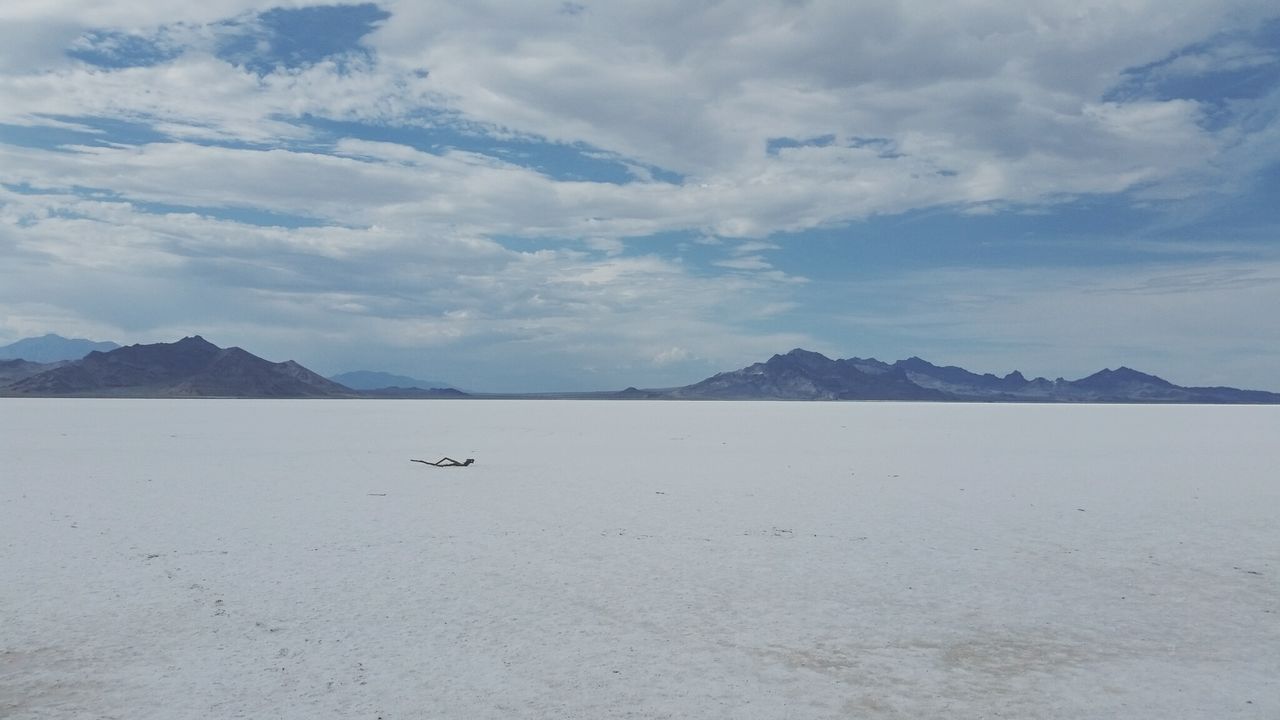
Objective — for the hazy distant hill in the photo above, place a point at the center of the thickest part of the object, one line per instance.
(371, 380)
(52, 348)
(415, 393)
(804, 375)
(12, 371)
(191, 367)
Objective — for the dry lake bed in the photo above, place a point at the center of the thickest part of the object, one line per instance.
(284, 559)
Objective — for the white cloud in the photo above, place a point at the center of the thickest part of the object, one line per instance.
(672, 355)
(754, 246)
(699, 89)
(972, 104)
(745, 262)
(136, 276)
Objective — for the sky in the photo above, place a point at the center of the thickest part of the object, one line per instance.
(538, 196)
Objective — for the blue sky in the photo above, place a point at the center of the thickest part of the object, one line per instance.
(564, 196)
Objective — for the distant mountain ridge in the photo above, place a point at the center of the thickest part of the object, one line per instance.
(806, 375)
(373, 380)
(52, 348)
(194, 367)
(191, 367)
(12, 371)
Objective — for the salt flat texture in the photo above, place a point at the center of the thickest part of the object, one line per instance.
(284, 559)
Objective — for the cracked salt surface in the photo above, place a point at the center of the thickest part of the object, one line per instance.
(194, 559)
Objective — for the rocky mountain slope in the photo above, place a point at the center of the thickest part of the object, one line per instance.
(804, 375)
(12, 371)
(191, 367)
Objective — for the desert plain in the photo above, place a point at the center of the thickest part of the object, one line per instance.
(284, 559)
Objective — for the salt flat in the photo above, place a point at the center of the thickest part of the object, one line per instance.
(283, 559)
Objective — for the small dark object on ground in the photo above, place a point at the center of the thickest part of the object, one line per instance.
(445, 462)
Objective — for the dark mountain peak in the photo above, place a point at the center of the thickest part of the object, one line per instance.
(870, 366)
(957, 380)
(235, 354)
(149, 364)
(806, 375)
(194, 345)
(802, 356)
(915, 363)
(1128, 373)
(633, 393)
(814, 364)
(191, 366)
(1107, 378)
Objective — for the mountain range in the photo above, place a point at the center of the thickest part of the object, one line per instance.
(52, 348)
(805, 375)
(194, 367)
(191, 367)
